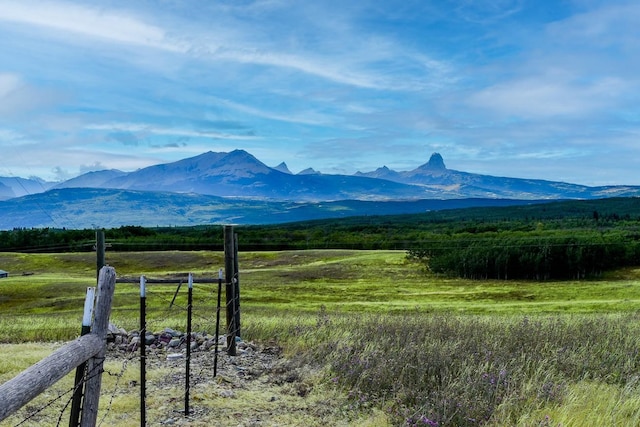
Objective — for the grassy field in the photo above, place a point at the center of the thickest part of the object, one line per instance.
(391, 338)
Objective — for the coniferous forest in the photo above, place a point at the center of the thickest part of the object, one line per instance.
(560, 240)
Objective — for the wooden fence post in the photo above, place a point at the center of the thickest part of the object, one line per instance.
(76, 406)
(236, 285)
(229, 288)
(215, 357)
(100, 249)
(106, 288)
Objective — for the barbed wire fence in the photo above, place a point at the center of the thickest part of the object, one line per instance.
(170, 310)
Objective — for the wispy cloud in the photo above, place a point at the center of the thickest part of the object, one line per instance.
(18, 97)
(549, 96)
(494, 85)
(88, 21)
(131, 129)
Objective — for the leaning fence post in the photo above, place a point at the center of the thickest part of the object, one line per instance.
(76, 405)
(106, 288)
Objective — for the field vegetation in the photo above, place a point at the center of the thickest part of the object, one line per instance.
(390, 333)
(560, 240)
(400, 346)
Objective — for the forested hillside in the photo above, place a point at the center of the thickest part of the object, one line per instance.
(560, 240)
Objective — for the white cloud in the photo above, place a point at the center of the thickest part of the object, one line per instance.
(548, 96)
(17, 96)
(87, 21)
(309, 118)
(8, 83)
(227, 39)
(143, 128)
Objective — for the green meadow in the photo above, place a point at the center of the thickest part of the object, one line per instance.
(402, 346)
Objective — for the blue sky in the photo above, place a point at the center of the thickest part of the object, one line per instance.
(520, 88)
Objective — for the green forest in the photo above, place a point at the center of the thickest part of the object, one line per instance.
(558, 240)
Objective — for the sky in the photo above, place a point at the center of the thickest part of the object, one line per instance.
(546, 89)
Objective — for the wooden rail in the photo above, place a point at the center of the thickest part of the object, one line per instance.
(20, 390)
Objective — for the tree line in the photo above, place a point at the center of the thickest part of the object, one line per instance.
(530, 256)
(559, 240)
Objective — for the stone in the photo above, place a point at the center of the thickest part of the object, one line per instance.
(149, 339)
(165, 337)
(173, 332)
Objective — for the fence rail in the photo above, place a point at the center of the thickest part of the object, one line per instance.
(20, 390)
(23, 388)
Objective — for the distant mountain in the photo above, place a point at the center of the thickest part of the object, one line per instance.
(239, 174)
(282, 167)
(435, 175)
(309, 171)
(78, 208)
(235, 187)
(17, 187)
(91, 179)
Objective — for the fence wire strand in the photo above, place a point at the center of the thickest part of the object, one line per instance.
(171, 308)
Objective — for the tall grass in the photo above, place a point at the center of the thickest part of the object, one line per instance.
(503, 366)
(442, 370)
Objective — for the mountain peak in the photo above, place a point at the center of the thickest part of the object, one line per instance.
(435, 162)
(309, 171)
(282, 167)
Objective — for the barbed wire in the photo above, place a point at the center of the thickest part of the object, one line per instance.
(52, 401)
(118, 376)
(131, 354)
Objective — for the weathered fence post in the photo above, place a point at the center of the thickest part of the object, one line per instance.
(215, 356)
(236, 285)
(106, 288)
(100, 250)
(229, 288)
(76, 405)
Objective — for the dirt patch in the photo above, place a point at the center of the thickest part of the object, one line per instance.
(257, 387)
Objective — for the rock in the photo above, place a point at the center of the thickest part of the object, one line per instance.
(229, 394)
(165, 337)
(175, 356)
(173, 332)
(175, 342)
(149, 339)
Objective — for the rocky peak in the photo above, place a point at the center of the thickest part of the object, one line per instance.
(282, 167)
(309, 171)
(436, 163)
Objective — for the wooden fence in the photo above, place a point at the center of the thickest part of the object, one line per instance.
(90, 348)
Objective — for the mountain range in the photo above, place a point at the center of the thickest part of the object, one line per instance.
(228, 183)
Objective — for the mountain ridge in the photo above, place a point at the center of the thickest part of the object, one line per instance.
(239, 174)
(237, 188)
